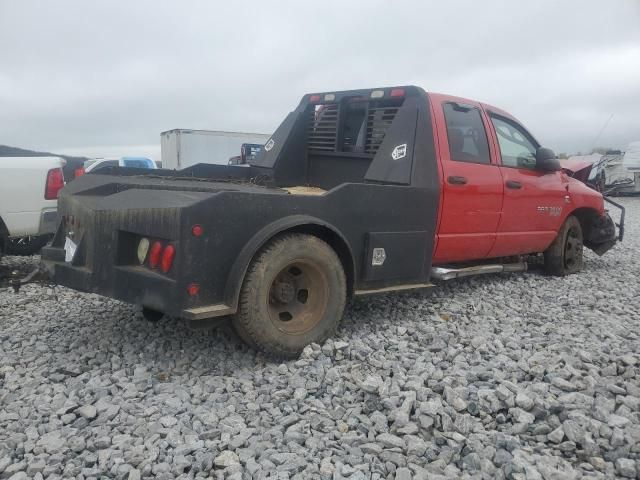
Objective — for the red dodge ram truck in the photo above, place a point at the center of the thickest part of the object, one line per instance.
(356, 192)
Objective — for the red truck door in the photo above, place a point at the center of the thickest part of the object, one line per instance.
(472, 189)
(533, 200)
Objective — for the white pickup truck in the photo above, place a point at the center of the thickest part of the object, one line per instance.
(29, 189)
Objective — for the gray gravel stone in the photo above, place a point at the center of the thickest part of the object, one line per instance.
(520, 416)
(563, 384)
(403, 473)
(573, 431)
(617, 421)
(388, 440)
(626, 467)
(87, 411)
(372, 448)
(372, 383)
(520, 376)
(524, 401)
(4, 463)
(19, 476)
(227, 459)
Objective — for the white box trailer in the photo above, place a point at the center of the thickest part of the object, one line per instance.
(181, 148)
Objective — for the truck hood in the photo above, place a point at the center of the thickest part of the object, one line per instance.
(579, 169)
(575, 165)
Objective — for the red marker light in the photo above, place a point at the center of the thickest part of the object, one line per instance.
(167, 258)
(314, 98)
(196, 230)
(193, 289)
(55, 183)
(154, 255)
(397, 92)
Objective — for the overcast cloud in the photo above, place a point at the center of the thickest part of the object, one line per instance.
(106, 77)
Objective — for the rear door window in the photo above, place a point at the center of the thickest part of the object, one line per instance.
(466, 133)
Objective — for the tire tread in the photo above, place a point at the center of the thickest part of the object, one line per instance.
(244, 324)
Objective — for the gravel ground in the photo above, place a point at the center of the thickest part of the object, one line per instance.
(519, 376)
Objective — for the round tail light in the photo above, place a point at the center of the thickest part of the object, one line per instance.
(193, 289)
(196, 230)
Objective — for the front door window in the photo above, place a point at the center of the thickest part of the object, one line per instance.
(516, 149)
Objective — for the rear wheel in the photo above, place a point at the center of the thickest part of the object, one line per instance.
(564, 256)
(294, 294)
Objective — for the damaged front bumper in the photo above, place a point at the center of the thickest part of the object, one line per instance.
(602, 236)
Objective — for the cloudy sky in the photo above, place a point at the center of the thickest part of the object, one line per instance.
(106, 77)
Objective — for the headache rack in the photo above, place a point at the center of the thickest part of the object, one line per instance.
(323, 127)
(379, 120)
(355, 125)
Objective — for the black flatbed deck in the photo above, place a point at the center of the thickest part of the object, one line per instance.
(379, 191)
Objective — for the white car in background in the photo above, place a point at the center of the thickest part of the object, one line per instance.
(94, 165)
(29, 189)
(620, 171)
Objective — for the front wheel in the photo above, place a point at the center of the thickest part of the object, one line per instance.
(564, 256)
(293, 294)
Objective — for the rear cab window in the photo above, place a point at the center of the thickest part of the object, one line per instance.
(466, 133)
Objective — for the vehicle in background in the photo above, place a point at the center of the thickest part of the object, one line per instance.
(631, 166)
(615, 173)
(183, 148)
(94, 165)
(248, 153)
(588, 169)
(29, 189)
(357, 192)
(615, 176)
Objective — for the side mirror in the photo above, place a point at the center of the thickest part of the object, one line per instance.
(546, 160)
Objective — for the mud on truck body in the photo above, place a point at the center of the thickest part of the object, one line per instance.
(356, 192)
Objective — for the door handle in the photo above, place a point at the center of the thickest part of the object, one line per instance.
(456, 180)
(513, 184)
